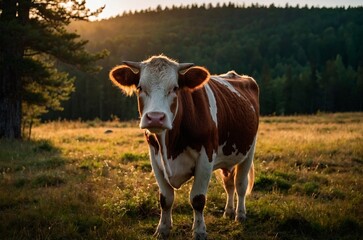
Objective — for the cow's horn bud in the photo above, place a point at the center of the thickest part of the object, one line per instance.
(134, 65)
(184, 66)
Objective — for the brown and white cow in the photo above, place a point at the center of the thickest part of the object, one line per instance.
(194, 123)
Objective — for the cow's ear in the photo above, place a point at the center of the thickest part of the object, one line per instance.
(193, 78)
(125, 78)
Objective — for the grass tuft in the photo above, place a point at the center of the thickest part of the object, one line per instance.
(44, 146)
(133, 157)
(275, 181)
(46, 180)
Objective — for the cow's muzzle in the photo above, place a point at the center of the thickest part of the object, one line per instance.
(154, 122)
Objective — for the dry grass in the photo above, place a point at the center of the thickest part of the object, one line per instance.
(74, 181)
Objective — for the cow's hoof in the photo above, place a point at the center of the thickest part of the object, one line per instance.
(161, 234)
(241, 218)
(230, 214)
(200, 236)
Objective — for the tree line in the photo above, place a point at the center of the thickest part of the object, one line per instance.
(304, 59)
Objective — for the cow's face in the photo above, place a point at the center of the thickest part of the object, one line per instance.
(157, 82)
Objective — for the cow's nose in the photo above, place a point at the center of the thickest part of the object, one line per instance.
(155, 119)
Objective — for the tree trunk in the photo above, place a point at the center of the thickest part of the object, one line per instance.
(14, 15)
(10, 103)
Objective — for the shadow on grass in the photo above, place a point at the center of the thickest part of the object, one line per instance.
(43, 196)
(20, 155)
(297, 227)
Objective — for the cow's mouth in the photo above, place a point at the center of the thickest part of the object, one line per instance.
(155, 130)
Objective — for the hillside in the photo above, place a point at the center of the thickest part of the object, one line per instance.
(305, 59)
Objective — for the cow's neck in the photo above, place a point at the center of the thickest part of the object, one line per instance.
(169, 142)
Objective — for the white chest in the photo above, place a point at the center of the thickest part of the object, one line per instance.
(183, 167)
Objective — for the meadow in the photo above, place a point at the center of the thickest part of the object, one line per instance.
(93, 180)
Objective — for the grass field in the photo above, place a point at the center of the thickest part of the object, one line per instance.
(74, 181)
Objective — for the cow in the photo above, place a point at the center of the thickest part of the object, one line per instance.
(194, 123)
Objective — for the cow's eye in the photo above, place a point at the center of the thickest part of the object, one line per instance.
(173, 90)
(141, 90)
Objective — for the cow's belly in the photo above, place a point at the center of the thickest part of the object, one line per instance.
(227, 161)
(183, 167)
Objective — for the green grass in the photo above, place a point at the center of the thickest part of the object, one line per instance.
(74, 181)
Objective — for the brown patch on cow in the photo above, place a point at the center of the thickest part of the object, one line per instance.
(237, 122)
(151, 139)
(237, 115)
(174, 105)
(193, 125)
(198, 202)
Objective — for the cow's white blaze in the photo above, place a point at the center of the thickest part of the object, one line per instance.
(156, 91)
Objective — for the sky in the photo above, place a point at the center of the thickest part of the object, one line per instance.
(115, 7)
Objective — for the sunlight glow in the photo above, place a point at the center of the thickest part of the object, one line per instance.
(117, 7)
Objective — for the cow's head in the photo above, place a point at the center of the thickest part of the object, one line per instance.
(157, 82)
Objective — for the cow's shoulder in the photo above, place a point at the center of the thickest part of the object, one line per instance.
(193, 125)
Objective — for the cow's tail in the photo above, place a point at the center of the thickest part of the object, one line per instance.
(251, 179)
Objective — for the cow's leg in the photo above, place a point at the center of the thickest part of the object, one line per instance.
(228, 184)
(165, 222)
(166, 198)
(244, 182)
(202, 175)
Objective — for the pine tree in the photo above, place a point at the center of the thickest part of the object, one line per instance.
(33, 35)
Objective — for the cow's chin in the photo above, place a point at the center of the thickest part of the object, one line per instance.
(155, 130)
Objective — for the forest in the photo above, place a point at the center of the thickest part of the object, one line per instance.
(305, 59)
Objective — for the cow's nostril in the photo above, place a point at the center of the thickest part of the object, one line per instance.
(155, 118)
(148, 116)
